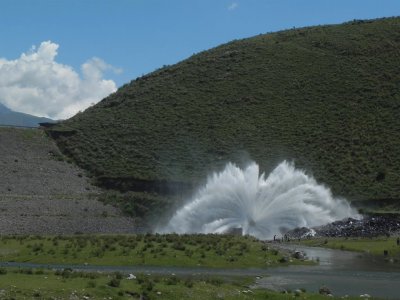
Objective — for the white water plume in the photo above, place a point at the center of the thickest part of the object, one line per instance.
(261, 207)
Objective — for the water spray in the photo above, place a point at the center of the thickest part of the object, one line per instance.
(262, 207)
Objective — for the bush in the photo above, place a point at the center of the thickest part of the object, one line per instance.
(27, 271)
(188, 283)
(178, 246)
(214, 281)
(36, 294)
(66, 273)
(147, 286)
(173, 280)
(91, 284)
(114, 282)
(118, 275)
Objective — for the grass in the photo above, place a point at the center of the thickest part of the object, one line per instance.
(30, 135)
(46, 284)
(326, 97)
(155, 250)
(375, 246)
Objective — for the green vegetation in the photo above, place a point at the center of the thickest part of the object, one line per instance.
(326, 97)
(25, 134)
(217, 251)
(375, 246)
(139, 204)
(66, 284)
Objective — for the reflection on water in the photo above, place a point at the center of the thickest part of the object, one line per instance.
(345, 273)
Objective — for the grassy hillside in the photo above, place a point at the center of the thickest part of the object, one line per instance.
(327, 97)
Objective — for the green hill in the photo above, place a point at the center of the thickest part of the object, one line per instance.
(327, 97)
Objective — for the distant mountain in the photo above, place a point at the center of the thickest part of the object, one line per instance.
(12, 118)
(4, 109)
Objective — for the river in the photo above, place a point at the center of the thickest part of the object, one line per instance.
(345, 273)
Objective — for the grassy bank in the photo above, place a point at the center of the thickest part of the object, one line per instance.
(46, 284)
(158, 250)
(375, 246)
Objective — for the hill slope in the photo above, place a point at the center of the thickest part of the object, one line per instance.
(12, 118)
(42, 194)
(327, 97)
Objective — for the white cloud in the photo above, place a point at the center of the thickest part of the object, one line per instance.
(36, 84)
(233, 6)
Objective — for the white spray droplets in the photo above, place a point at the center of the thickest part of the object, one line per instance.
(236, 198)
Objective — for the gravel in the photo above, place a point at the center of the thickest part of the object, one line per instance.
(40, 193)
(369, 226)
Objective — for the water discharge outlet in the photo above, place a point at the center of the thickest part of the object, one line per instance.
(262, 207)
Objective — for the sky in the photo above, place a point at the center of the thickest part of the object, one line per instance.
(58, 57)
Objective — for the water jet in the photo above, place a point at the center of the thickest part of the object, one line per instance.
(262, 207)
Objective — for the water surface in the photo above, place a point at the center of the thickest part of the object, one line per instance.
(344, 272)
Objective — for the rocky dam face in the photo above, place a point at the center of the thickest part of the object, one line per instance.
(41, 193)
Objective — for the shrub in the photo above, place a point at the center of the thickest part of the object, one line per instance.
(214, 281)
(172, 280)
(188, 283)
(178, 246)
(118, 275)
(147, 286)
(114, 282)
(91, 284)
(66, 273)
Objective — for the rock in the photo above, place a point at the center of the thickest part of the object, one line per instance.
(298, 255)
(324, 290)
(297, 292)
(284, 260)
(369, 226)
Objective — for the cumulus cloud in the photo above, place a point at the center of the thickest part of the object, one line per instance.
(36, 84)
(233, 6)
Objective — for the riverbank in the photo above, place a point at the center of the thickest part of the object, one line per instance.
(387, 247)
(196, 250)
(69, 284)
(334, 270)
(343, 272)
(366, 226)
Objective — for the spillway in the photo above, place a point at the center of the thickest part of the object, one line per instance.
(261, 206)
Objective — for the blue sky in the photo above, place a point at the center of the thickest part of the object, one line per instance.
(138, 36)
